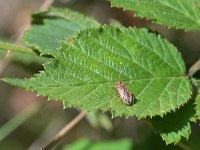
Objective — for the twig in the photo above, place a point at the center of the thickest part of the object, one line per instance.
(26, 26)
(194, 68)
(64, 131)
(46, 4)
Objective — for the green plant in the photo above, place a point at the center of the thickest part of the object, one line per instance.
(87, 59)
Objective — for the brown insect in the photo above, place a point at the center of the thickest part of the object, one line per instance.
(126, 96)
(69, 40)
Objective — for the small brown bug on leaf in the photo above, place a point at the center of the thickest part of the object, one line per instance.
(126, 96)
(69, 41)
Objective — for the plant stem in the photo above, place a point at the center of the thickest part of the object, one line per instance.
(64, 131)
(194, 68)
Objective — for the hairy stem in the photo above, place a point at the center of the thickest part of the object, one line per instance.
(194, 68)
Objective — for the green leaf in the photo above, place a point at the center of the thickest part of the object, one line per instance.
(181, 14)
(197, 101)
(84, 72)
(18, 120)
(21, 54)
(196, 83)
(58, 24)
(175, 125)
(85, 144)
(66, 14)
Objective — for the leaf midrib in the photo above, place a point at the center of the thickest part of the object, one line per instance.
(96, 83)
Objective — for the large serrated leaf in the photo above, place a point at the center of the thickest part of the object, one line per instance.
(175, 125)
(58, 24)
(183, 14)
(85, 70)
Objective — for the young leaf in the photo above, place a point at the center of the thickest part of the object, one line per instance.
(84, 72)
(196, 83)
(85, 144)
(176, 125)
(58, 25)
(198, 106)
(182, 14)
